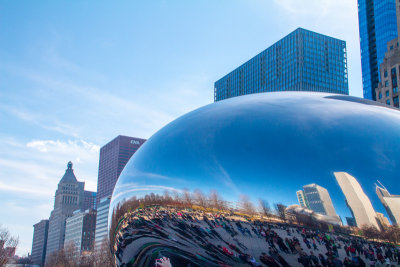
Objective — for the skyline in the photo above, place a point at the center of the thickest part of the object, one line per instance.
(53, 66)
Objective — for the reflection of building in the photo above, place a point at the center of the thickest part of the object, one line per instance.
(301, 61)
(102, 221)
(79, 231)
(377, 24)
(382, 221)
(351, 221)
(391, 204)
(113, 158)
(319, 200)
(69, 197)
(40, 231)
(302, 198)
(357, 200)
(296, 209)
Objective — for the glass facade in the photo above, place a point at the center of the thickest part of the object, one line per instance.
(102, 221)
(378, 26)
(113, 158)
(301, 61)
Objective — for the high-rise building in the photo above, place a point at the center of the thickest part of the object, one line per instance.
(69, 197)
(301, 61)
(89, 202)
(302, 199)
(319, 200)
(377, 25)
(113, 158)
(80, 231)
(38, 253)
(351, 221)
(390, 202)
(383, 222)
(102, 221)
(357, 200)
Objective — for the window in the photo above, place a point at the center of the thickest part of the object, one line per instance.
(385, 74)
(380, 95)
(386, 83)
(388, 102)
(395, 90)
(396, 101)
(387, 93)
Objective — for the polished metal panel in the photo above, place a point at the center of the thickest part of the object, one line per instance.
(234, 152)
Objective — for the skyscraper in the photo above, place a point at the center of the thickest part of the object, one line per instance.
(113, 158)
(301, 61)
(319, 200)
(69, 197)
(89, 201)
(390, 202)
(102, 221)
(38, 253)
(302, 199)
(357, 200)
(377, 25)
(80, 231)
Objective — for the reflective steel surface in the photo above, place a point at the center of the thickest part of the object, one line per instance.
(237, 151)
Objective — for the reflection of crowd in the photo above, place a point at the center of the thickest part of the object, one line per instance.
(166, 236)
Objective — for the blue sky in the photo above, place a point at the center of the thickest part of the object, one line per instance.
(73, 75)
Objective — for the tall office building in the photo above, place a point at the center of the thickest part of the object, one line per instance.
(377, 25)
(302, 199)
(319, 200)
(383, 222)
(390, 202)
(80, 231)
(113, 158)
(301, 61)
(89, 201)
(357, 200)
(38, 253)
(102, 221)
(69, 197)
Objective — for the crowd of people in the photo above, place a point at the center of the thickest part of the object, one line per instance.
(173, 237)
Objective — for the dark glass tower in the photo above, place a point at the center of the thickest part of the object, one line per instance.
(378, 25)
(301, 61)
(113, 158)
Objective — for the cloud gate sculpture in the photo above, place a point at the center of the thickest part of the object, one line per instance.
(199, 191)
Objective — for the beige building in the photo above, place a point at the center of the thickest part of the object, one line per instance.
(387, 91)
(382, 220)
(391, 204)
(357, 200)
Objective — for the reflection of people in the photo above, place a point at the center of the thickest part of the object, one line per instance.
(163, 262)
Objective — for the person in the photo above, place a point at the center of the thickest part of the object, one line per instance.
(304, 260)
(268, 260)
(163, 262)
(314, 258)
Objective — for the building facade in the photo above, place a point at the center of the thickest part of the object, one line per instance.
(302, 199)
(68, 198)
(102, 221)
(319, 200)
(383, 222)
(113, 158)
(377, 25)
(40, 232)
(357, 201)
(391, 204)
(89, 202)
(80, 231)
(301, 61)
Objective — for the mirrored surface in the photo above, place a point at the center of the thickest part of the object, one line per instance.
(200, 184)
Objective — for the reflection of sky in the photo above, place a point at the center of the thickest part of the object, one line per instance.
(269, 145)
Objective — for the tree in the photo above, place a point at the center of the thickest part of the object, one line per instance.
(200, 198)
(187, 198)
(7, 243)
(265, 208)
(392, 234)
(369, 231)
(245, 205)
(281, 211)
(216, 201)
